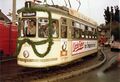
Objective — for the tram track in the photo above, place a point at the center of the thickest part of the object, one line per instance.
(52, 74)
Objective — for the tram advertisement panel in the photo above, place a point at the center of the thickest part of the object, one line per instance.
(83, 45)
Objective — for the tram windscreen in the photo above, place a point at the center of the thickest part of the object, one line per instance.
(28, 27)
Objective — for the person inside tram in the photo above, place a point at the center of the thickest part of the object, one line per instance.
(31, 29)
(54, 30)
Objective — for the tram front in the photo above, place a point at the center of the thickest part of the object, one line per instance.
(35, 37)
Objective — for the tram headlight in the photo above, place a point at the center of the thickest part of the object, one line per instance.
(26, 54)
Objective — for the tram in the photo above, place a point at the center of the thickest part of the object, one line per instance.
(51, 35)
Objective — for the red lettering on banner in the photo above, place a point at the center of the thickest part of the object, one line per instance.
(78, 46)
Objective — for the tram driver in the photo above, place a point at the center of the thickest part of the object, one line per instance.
(54, 29)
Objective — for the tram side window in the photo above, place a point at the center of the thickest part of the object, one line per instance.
(86, 28)
(86, 31)
(28, 28)
(83, 31)
(95, 33)
(76, 31)
(64, 31)
(90, 32)
(55, 28)
(63, 28)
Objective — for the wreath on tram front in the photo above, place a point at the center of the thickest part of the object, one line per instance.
(32, 43)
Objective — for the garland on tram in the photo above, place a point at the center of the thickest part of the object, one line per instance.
(32, 43)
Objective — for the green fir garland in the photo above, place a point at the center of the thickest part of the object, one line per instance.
(32, 43)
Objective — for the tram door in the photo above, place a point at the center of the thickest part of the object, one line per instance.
(64, 37)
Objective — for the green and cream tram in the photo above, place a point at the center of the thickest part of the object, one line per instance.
(52, 35)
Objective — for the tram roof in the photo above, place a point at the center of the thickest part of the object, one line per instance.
(61, 9)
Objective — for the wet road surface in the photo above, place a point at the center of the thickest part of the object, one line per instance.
(112, 75)
(97, 75)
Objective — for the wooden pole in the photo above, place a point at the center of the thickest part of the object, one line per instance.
(52, 2)
(69, 3)
(65, 2)
(14, 11)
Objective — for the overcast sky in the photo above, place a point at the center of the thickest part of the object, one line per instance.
(91, 8)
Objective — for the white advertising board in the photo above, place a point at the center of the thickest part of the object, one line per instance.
(83, 45)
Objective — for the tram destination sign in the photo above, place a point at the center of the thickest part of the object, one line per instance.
(28, 14)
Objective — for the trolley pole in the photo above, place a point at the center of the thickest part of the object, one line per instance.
(14, 11)
(69, 3)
